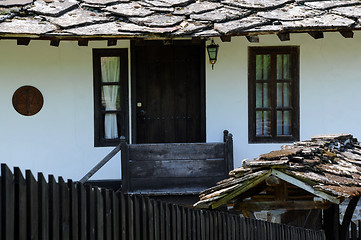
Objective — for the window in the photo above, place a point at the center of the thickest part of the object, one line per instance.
(110, 96)
(273, 92)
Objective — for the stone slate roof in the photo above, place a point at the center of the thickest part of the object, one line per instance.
(328, 166)
(173, 18)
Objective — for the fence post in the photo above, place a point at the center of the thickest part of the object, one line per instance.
(20, 205)
(8, 206)
(43, 208)
(54, 233)
(74, 211)
(64, 210)
(116, 219)
(82, 217)
(32, 206)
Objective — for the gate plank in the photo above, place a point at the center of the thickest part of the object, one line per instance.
(176, 151)
(20, 205)
(74, 212)
(8, 191)
(53, 209)
(44, 208)
(32, 206)
(64, 210)
(82, 206)
(99, 218)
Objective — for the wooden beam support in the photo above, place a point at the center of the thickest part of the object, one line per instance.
(112, 42)
(347, 34)
(246, 186)
(55, 42)
(23, 41)
(225, 38)
(253, 38)
(276, 205)
(83, 42)
(316, 35)
(331, 222)
(348, 216)
(283, 36)
(305, 186)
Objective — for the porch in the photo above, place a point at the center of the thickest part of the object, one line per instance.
(169, 170)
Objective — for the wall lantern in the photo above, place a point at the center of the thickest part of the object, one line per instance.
(212, 50)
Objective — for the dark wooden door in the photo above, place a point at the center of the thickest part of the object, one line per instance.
(168, 100)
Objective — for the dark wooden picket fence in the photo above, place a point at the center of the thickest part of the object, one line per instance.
(355, 231)
(50, 210)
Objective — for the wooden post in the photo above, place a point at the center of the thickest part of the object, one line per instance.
(20, 205)
(331, 219)
(125, 160)
(32, 206)
(228, 151)
(8, 205)
(348, 216)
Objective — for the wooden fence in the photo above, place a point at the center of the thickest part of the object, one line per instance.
(50, 210)
(355, 231)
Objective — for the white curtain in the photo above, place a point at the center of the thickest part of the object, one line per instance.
(110, 68)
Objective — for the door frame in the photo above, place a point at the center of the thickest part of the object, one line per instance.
(136, 43)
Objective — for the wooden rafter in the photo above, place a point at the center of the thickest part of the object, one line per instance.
(305, 186)
(253, 38)
(244, 187)
(283, 36)
(316, 34)
(288, 205)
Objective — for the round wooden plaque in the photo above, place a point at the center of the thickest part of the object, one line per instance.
(28, 100)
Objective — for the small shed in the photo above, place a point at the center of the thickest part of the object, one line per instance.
(307, 176)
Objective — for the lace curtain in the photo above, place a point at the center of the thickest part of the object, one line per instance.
(110, 70)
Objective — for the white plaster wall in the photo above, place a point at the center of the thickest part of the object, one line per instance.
(59, 139)
(330, 84)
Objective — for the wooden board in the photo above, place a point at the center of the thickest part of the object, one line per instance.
(176, 151)
(177, 168)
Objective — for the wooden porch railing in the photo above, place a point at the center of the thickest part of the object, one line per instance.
(175, 168)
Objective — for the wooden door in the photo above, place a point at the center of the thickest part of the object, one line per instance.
(168, 92)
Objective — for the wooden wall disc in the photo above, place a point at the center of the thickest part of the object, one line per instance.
(28, 100)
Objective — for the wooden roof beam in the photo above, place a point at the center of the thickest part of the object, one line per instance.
(83, 42)
(305, 186)
(112, 42)
(316, 34)
(347, 34)
(348, 216)
(253, 38)
(55, 42)
(226, 38)
(275, 205)
(23, 41)
(283, 36)
(245, 187)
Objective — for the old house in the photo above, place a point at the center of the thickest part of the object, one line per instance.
(78, 74)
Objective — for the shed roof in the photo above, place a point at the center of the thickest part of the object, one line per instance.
(327, 166)
(174, 18)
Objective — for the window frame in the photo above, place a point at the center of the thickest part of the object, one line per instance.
(295, 71)
(99, 140)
